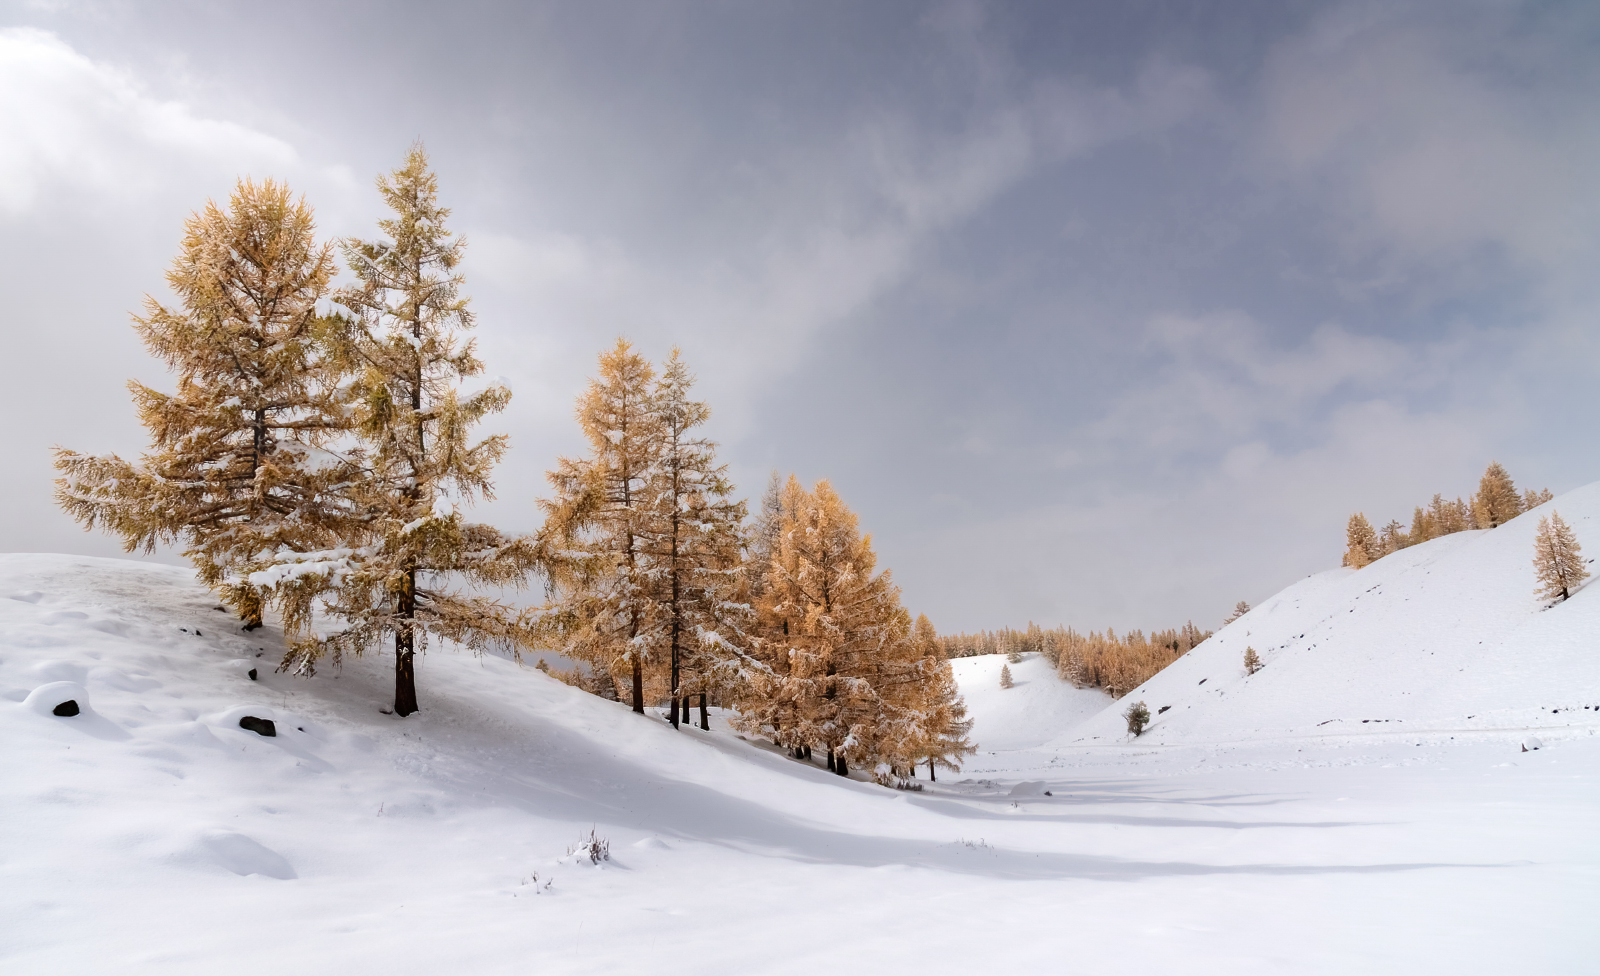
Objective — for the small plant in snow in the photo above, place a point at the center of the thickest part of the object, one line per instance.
(1252, 661)
(1138, 716)
(594, 847)
(1005, 676)
(1014, 656)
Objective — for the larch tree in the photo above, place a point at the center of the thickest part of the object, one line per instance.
(945, 723)
(1239, 609)
(1361, 543)
(1557, 558)
(833, 630)
(237, 467)
(1496, 501)
(405, 546)
(601, 605)
(1532, 499)
(1005, 676)
(690, 538)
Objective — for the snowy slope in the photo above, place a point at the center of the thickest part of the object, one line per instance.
(1446, 637)
(150, 834)
(1037, 709)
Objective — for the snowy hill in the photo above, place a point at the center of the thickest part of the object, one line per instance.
(151, 834)
(1037, 709)
(1445, 638)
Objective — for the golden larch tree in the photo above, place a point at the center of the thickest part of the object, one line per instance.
(238, 466)
(690, 538)
(1557, 558)
(600, 605)
(404, 541)
(1496, 501)
(1361, 543)
(834, 631)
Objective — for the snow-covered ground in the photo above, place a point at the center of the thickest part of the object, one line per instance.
(150, 834)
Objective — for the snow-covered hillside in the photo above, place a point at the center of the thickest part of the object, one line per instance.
(151, 834)
(1445, 638)
(1038, 708)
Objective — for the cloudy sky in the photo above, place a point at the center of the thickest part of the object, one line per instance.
(1101, 314)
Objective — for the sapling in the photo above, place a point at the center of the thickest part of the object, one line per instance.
(1138, 716)
(1252, 661)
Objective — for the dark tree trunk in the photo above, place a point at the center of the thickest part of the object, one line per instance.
(672, 713)
(830, 759)
(840, 766)
(638, 685)
(932, 776)
(705, 715)
(405, 671)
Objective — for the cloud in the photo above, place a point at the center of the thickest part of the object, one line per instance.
(1439, 137)
(74, 124)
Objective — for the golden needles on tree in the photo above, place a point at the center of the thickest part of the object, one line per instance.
(849, 673)
(1557, 558)
(237, 467)
(402, 537)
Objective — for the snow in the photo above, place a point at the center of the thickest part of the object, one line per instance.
(151, 834)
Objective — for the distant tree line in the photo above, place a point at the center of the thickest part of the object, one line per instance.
(1496, 502)
(1114, 664)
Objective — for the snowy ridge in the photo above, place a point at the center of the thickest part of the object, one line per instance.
(1444, 637)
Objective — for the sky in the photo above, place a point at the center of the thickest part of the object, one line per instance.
(1100, 315)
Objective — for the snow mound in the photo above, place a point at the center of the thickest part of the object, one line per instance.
(1444, 637)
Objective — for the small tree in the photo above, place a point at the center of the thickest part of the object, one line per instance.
(1252, 661)
(1005, 677)
(1361, 543)
(1138, 716)
(1557, 558)
(1239, 609)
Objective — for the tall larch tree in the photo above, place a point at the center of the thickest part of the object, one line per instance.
(406, 546)
(601, 604)
(237, 467)
(1496, 501)
(838, 622)
(945, 724)
(691, 541)
(1557, 558)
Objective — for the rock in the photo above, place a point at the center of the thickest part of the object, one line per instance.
(260, 726)
(66, 709)
(252, 673)
(1531, 743)
(1162, 709)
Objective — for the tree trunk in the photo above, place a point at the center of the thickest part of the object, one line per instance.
(840, 766)
(705, 716)
(405, 671)
(672, 713)
(932, 776)
(638, 684)
(830, 759)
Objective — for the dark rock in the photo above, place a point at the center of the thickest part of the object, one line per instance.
(198, 634)
(252, 674)
(1162, 709)
(260, 726)
(66, 709)
(1204, 680)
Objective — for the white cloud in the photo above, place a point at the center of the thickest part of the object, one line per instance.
(76, 124)
(1438, 139)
